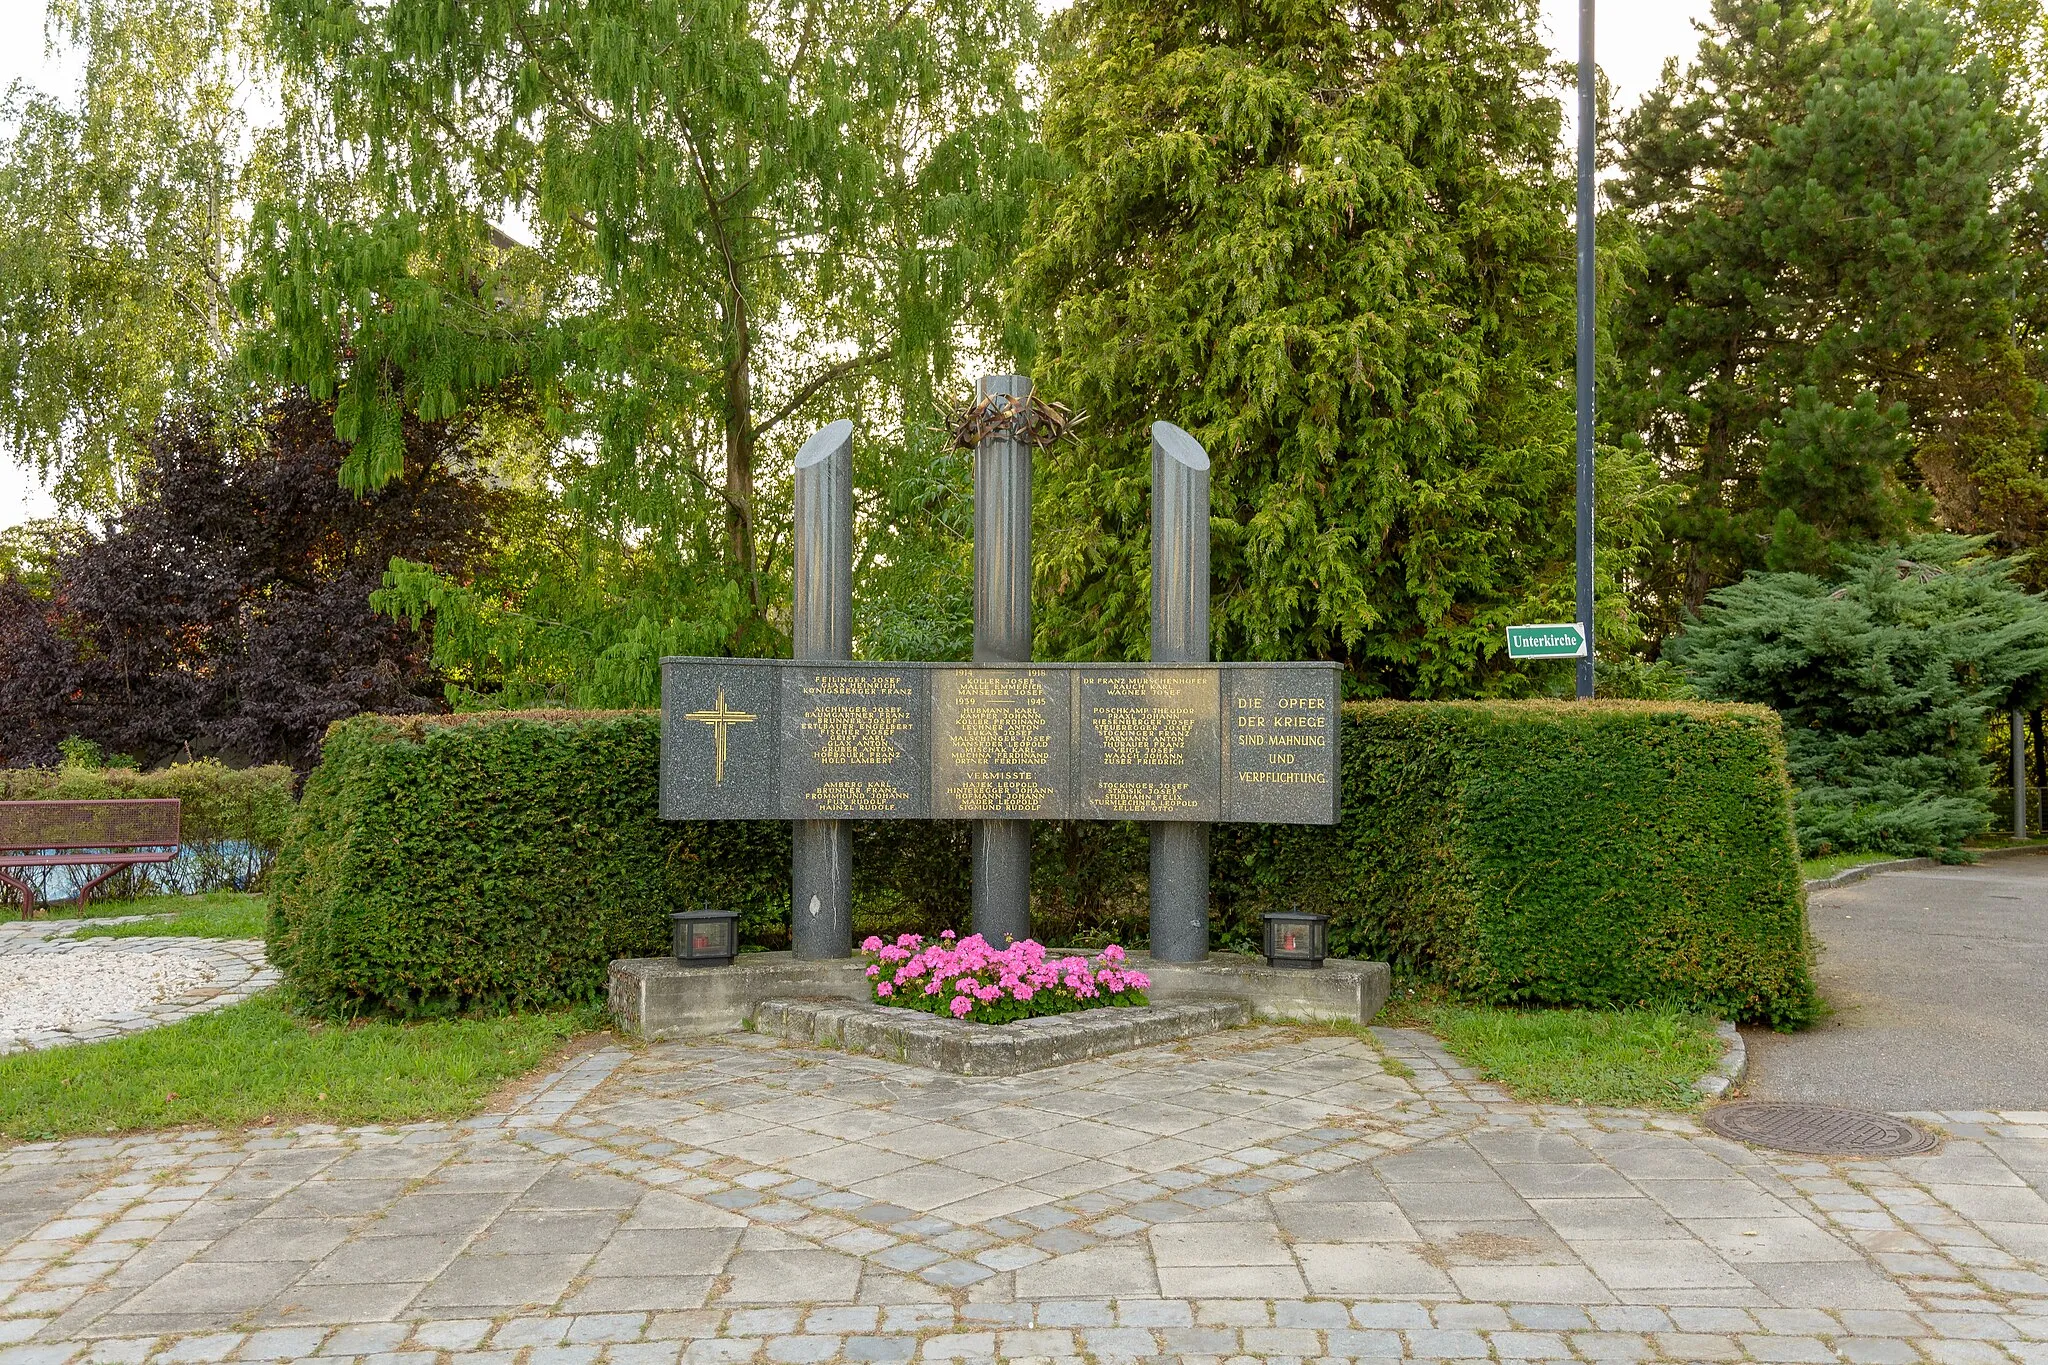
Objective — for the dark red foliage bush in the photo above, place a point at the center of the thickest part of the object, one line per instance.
(225, 610)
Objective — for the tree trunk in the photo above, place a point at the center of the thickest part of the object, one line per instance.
(739, 451)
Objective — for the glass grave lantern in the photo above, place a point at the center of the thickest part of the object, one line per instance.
(705, 938)
(1295, 939)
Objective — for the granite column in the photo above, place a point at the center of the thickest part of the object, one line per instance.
(821, 627)
(1000, 850)
(1179, 884)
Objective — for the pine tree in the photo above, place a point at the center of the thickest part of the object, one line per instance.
(1335, 243)
(1826, 345)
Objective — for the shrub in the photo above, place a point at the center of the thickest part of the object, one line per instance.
(502, 860)
(1564, 853)
(225, 605)
(1570, 853)
(233, 819)
(1886, 675)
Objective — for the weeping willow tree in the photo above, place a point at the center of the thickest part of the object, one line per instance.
(121, 224)
(743, 218)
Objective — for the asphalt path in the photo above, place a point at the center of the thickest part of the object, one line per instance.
(1938, 978)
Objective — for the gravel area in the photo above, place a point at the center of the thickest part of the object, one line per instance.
(57, 990)
(45, 992)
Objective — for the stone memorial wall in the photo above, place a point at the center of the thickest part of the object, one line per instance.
(800, 740)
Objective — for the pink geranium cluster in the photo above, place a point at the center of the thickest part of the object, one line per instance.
(969, 979)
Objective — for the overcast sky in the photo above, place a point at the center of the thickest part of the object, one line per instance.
(1634, 39)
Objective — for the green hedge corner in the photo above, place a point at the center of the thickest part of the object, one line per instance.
(1519, 852)
(1554, 853)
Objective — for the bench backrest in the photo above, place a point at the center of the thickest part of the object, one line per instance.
(89, 824)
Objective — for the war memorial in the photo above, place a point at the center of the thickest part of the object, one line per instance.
(1177, 742)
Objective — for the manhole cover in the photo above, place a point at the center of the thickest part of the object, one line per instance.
(1818, 1129)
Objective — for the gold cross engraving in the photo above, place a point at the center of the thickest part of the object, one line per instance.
(718, 719)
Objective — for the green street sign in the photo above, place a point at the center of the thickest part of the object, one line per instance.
(1564, 641)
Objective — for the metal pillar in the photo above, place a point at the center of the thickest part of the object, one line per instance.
(1179, 884)
(2019, 774)
(821, 627)
(1587, 144)
(999, 851)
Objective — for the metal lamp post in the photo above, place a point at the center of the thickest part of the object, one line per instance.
(1588, 144)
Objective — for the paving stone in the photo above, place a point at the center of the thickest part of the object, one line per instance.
(1786, 1348)
(597, 1217)
(1876, 1351)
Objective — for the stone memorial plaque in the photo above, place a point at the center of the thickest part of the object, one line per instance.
(1000, 738)
(1280, 743)
(720, 739)
(776, 739)
(1146, 743)
(855, 743)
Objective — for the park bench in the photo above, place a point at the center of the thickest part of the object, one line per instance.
(113, 834)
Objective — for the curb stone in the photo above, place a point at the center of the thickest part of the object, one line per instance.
(1733, 1066)
(972, 1049)
(1848, 876)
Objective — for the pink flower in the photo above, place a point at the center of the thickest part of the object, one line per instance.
(945, 933)
(968, 972)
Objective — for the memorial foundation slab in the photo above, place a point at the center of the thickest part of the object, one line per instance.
(658, 997)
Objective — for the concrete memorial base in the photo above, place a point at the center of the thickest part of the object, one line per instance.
(1339, 991)
(970, 1049)
(658, 997)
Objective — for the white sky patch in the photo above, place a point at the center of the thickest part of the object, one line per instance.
(22, 495)
(1630, 41)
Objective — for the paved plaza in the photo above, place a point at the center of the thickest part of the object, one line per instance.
(1262, 1193)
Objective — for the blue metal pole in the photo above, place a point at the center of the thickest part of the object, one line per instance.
(1588, 143)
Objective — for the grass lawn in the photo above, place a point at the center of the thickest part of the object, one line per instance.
(1828, 866)
(1642, 1058)
(221, 914)
(1811, 868)
(256, 1062)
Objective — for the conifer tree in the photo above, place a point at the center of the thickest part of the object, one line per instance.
(1826, 347)
(1335, 243)
(1886, 672)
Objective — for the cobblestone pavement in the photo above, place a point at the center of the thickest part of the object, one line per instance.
(1263, 1193)
(235, 970)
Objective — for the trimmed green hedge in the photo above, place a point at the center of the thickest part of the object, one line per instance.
(435, 865)
(1565, 853)
(1558, 853)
